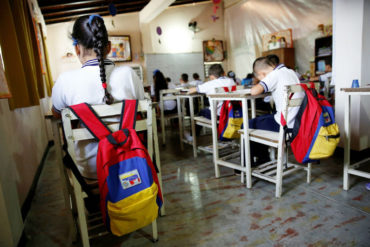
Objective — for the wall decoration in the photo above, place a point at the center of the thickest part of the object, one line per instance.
(121, 48)
(213, 51)
(280, 39)
(4, 89)
(215, 7)
(159, 32)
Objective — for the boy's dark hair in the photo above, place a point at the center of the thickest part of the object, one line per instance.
(91, 33)
(262, 63)
(216, 70)
(185, 77)
(249, 76)
(274, 59)
(159, 83)
(168, 80)
(195, 76)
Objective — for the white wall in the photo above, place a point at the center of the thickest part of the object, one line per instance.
(22, 144)
(351, 39)
(176, 36)
(247, 21)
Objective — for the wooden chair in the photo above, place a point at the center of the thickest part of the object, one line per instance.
(274, 170)
(78, 134)
(163, 96)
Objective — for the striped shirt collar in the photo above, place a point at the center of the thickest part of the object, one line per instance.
(280, 66)
(94, 62)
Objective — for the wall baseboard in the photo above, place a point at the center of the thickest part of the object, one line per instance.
(31, 193)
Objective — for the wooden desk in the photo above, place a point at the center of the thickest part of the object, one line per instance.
(348, 168)
(236, 96)
(180, 111)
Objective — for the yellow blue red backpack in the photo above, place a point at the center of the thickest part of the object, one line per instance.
(315, 134)
(231, 118)
(130, 195)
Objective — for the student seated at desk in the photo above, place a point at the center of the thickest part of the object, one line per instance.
(160, 83)
(217, 80)
(184, 80)
(170, 84)
(272, 79)
(98, 81)
(231, 74)
(196, 82)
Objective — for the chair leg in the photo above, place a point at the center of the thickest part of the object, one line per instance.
(279, 172)
(82, 222)
(309, 167)
(242, 163)
(155, 231)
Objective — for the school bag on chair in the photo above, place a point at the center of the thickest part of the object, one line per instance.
(315, 134)
(231, 119)
(130, 195)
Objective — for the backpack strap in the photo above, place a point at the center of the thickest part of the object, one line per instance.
(128, 114)
(91, 120)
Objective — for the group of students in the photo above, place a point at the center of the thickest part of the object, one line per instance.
(99, 81)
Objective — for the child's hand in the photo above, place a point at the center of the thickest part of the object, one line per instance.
(192, 90)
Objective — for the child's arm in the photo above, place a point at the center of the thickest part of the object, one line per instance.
(257, 89)
(192, 90)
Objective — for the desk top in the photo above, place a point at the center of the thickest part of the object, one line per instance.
(189, 95)
(356, 90)
(237, 95)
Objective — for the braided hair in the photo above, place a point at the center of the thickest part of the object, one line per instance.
(91, 33)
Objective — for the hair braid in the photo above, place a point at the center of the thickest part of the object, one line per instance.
(100, 42)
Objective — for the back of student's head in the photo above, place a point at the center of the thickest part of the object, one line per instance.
(231, 74)
(262, 63)
(274, 59)
(216, 70)
(90, 33)
(249, 76)
(168, 80)
(195, 76)
(159, 83)
(184, 77)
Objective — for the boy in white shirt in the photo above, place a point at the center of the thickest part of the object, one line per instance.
(218, 79)
(184, 80)
(196, 82)
(272, 79)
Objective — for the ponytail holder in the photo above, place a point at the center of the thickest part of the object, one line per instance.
(91, 17)
(104, 85)
(75, 42)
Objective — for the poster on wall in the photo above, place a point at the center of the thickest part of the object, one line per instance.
(276, 40)
(213, 51)
(120, 48)
(4, 89)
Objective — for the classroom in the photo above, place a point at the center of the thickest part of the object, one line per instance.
(184, 123)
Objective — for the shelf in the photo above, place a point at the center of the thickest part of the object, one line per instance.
(320, 56)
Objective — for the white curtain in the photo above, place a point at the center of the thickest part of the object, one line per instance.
(246, 22)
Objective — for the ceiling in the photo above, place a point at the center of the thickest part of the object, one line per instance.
(55, 11)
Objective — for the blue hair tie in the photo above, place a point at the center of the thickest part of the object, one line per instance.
(75, 42)
(155, 71)
(91, 17)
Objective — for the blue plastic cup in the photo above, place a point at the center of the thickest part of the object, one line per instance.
(355, 84)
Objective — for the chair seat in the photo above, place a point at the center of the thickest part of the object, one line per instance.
(270, 136)
(204, 120)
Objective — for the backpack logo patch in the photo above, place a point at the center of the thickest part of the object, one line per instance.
(130, 179)
(327, 118)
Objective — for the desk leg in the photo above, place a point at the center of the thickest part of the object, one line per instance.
(194, 135)
(162, 123)
(213, 105)
(246, 146)
(204, 131)
(59, 158)
(179, 112)
(253, 106)
(347, 141)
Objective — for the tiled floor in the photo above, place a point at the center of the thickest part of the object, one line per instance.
(204, 211)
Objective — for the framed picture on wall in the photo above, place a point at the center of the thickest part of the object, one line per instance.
(121, 48)
(213, 51)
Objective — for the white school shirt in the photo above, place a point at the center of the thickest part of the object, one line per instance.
(274, 82)
(84, 85)
(210, 88)
(196, 83)
(168, 105)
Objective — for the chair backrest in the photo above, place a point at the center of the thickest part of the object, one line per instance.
(238, 88)
(107, 111)
(163, 94)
